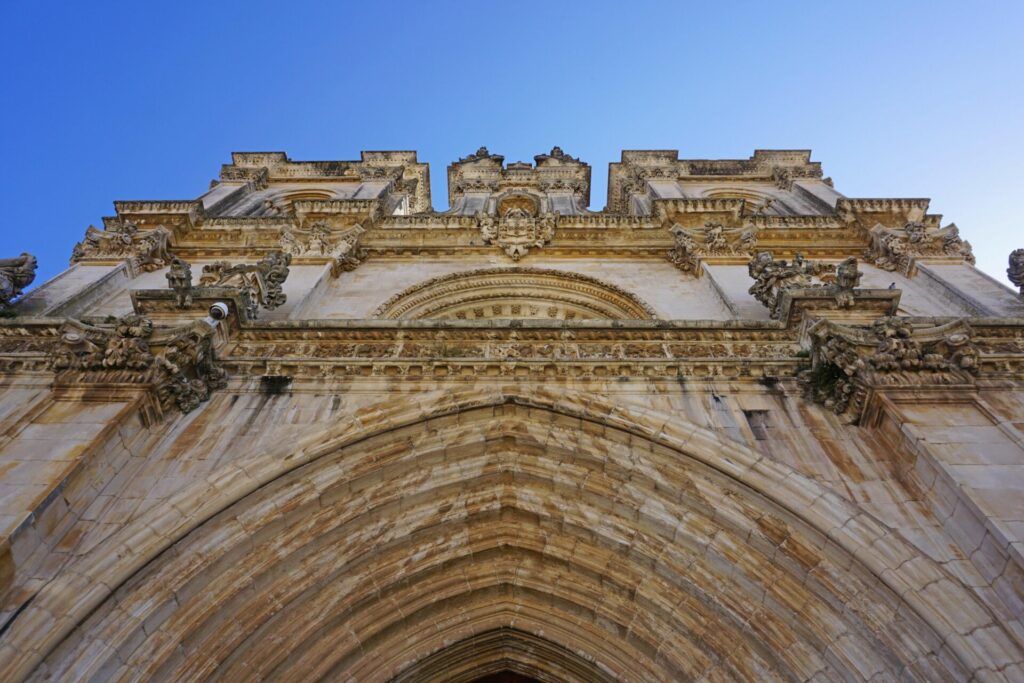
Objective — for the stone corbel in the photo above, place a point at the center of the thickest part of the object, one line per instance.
(176, 367)
(15, 275)
(143, 250)
(848, 363)
(713, 239)
(259, 284)
(1015, 271)
(898, 249)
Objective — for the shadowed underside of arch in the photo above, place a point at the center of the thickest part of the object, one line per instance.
(515, 293)
(493, 535)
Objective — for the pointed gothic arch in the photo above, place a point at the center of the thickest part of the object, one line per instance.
(650, 548)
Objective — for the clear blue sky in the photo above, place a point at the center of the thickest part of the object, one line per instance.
(145, 100)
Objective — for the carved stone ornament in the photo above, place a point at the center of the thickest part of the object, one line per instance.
(896, 249)
(1016, 270)
(319, 240)
(782, 177)
(178, 364)
(846, 361)
(179, 278)
(517, 232)
(772, 278)
(146, 249)
(15, 275)
(260, 284)
(713, 239)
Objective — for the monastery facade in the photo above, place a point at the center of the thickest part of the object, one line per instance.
(736, 426)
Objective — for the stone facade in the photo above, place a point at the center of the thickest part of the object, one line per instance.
(737, 426)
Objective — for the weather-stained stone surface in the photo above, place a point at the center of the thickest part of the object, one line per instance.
(517, 438)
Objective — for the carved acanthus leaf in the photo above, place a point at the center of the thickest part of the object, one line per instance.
(260, 284)
(517, 232)
(713, 239)
(897, 249)
(177, 364)
(847, 361)
(15, 275)
(145, 249)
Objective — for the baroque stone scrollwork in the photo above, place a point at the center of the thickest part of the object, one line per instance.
(260, 284)
(178, 364)
(145, 249)
(15, 275)
(773, 277)
(1015, 271)
(897, 249)
(179, 278)
(517, 231)
(319, 240)
(846, 362)
(713, 239)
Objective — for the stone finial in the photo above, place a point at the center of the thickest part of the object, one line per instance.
(179, 278)
(15, 275)
(260, 284)
(1016, 269)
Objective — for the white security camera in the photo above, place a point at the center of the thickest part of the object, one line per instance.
(219, 311)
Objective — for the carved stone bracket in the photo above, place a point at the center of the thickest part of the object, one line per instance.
(517, 232)
(714, 239)
(15, 275)
(898, 249)
(1015, 272)
(773, 277)
(146, 250)
(260, 284)
(847, 362)
(176, 364)
(342, 247)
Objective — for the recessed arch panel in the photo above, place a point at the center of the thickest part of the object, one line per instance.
(515, 293)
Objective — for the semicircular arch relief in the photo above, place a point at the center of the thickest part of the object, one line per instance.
(651, 550)
(515, 293)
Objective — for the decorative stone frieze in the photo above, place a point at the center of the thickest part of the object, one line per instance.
(145, 250)
(773, 277)
(847, 362)
(319, 239)
(713, 239)
(177, 364)
(898, 249)
(517, 231)
(15, 275)
(1015, 272)
(260, 284)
